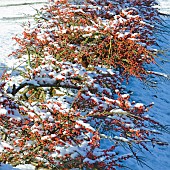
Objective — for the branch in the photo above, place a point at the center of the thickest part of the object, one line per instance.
(160, 74)
(122, 139)
(163, 14)
(33, 84)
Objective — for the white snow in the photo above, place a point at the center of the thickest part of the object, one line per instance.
(25, 167)
(164, 6)
(121, 139)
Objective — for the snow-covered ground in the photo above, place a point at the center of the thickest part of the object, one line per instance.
(13, 15)
(160, 95)
(165, 6)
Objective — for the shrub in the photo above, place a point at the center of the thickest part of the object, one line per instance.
(68, 98)
(97, 32)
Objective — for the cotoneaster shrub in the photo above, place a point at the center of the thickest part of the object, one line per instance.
(65, 129)
(97, 32)
(66, 99)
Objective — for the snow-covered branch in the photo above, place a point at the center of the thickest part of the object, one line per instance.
(36, 84)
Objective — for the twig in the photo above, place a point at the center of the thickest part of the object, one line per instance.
(159, 74)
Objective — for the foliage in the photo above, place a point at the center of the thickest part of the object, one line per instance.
(99, 33)
(66, 99)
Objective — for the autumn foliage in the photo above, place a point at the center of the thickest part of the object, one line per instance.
(65, 100)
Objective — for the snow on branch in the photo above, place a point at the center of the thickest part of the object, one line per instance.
(35, 84)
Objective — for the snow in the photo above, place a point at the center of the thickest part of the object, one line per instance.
(25, 167)
(160, 96)
(121, 139)
(4, 145)
(164, 6)
(118, 111)
(139, 105)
